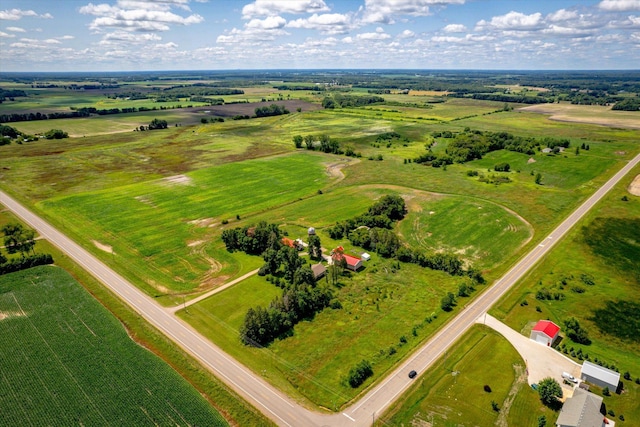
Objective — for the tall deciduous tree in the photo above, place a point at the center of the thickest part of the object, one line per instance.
(18, 239)
(549, 391)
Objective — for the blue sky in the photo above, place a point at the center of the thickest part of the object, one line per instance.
(122, 35)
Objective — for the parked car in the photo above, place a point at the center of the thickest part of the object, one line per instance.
(567, 376)
(412, 374)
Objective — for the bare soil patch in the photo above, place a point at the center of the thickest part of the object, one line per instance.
(102, 246)
(634, 187)
(591, 114)
(177, 180)
(249, 109)
(10, 314)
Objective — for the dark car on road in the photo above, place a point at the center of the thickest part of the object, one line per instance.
(412, 374)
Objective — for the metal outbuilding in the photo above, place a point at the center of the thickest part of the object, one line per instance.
(600, 376)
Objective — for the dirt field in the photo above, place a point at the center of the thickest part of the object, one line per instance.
(230, 110)
(634, 188)
(593, 114)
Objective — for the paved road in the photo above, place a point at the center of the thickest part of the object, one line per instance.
(274, 404)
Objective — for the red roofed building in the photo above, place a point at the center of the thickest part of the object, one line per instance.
(291, 243)
(545, 332)
(353, 263)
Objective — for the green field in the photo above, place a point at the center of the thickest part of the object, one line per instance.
(76, 362)
(158, 201)
(154, 224)
(451, 393)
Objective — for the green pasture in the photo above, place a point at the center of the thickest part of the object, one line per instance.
(482, 233)
(380, 304)
(68, 360)
(108, 124)
(603, 247)
(451, 392)
(161, 231)
(49, 100)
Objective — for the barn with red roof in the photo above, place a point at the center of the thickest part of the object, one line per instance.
(545, 332)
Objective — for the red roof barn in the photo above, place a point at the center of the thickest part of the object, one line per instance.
(353, 263)
(545, 332)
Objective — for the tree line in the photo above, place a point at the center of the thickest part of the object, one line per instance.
(271, 110)
(18, 239)
(81, 112)
(340, 100)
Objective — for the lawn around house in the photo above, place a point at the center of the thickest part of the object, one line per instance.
(452, 392)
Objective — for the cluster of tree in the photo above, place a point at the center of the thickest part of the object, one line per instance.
(627, 104)
(254, 239)
(9, 134)
(10, 94)
(502, 167)
(380, 91)
(359, 373)
(339, 100)
(447, 262)
(157, 124)
(576, 332)
(56, 134)
(300, 87)
(17, 239)
(380, 240)
(299, 301)
(87, 111)
(322, 142)
(9, 131)
(271, 110)
(210, 101)
(473, 144)
(382, 214)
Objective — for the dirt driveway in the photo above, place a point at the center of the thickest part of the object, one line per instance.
(541, 361)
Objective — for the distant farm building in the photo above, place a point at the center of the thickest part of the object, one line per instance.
(319, 271)
(545, 332)
(366, 256)
(353, 263)
(600, 376)
(311, 231)
(582, 410)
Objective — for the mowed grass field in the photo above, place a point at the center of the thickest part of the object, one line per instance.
(161, 230)
(452, 392)
(596, 268)
(67, 361)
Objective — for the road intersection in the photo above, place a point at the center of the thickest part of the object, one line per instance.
(273, 403)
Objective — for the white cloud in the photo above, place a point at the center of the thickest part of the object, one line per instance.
(619, 5)
(455, 28)
(512, 21)
(66, 37)
(328, 23)
(269, 23)
(383, 11)
(562, 15)
(6, 35)
(16, 29)
(16, 14)
(373, 36)
(277, 7)
(406, 34)
(138, 15)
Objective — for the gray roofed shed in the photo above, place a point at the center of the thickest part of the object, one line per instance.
(600, 376)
